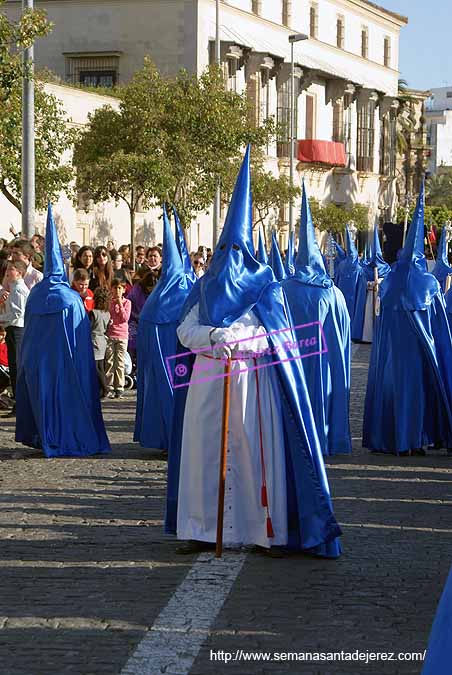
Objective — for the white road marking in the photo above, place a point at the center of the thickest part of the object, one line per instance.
(172, 644)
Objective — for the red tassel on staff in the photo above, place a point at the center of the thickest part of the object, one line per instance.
(264, 497)
(270, 532)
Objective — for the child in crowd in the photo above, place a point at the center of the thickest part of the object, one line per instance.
(80, 283)
(4, 370)
(12, 317)
(100, 320)
(118, 334)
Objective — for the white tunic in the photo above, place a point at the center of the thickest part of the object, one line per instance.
(244, 515)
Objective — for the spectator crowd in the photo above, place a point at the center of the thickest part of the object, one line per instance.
(113, 291)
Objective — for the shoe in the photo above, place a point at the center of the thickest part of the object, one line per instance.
(418, 452)
(276, 552)
(193, 546)
(119, 393)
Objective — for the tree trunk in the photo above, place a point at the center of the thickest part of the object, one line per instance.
(132, 236)
(15, 202)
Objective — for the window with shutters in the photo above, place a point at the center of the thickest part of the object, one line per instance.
(256, 6)
(231, 74)
(338, 121)
(285, 12)
(93, 70)
(365, 42)
(310, 117)
(283, 118)
(264, 95)
(340, 32)
(387, 52)
(313, 20)
(366, 137)
(388, 144)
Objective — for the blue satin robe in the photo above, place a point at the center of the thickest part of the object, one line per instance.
(327, 374)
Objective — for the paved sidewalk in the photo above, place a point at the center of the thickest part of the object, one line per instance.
(86, 568)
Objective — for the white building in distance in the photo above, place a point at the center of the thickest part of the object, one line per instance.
(346, 82)
(439, 128)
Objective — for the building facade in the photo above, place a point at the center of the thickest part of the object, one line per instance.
(346, 77)
(439, 128)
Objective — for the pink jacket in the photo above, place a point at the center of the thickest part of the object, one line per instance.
(119, 326)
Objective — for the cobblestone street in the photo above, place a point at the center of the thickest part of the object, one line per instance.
(86, 568)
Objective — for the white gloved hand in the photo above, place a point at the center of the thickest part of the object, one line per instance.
(221, 351)
(225, 336)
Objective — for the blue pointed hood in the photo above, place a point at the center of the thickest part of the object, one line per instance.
(261, 251)
(409, 285)
(165, 302)
(182, 247)
(340, 253)
(276, 262)
(442, 268)
(352, 251)
(289, 263)
(309, 264)
(234, 280)
(53, 293)
(375, 258)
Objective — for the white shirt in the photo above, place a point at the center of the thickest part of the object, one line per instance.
(14, 307)
(32, 277)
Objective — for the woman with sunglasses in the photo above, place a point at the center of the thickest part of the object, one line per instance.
(102, 269)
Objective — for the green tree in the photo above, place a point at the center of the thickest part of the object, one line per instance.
(333, 218)
(171, 141)
(52, 136)
(438, 189)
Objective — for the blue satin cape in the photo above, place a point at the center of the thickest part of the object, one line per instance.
(57, 403)
(347, 279)
(439, 652)
(312, 297)
(409, 390)
(156, 341)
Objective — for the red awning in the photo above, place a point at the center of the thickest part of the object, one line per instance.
(321, 152)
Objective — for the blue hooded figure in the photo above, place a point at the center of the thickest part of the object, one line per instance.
(339, 257)
(442, 268)
(439, 651)
(276, 490)
(374, 270)
(289, 264)
(348, 277)
(157, 341)
(261, 253)
(58, 405)
(275, 259)
(313, 297)
(408, 399)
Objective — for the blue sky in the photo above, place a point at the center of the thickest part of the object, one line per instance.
(426, 43)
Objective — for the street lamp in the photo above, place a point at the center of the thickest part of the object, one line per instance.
(297, 37)
(217, 199)
(28, 138)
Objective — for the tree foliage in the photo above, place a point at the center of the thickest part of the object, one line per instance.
(333, 218)
(438, 189)
(52, 136)
(171, 141)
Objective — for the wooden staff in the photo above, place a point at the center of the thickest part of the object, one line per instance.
(375, 291)
(448, 283)
(224, 447)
